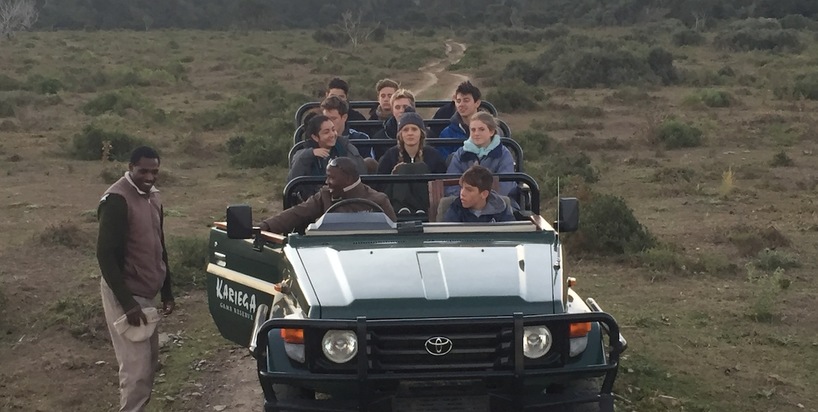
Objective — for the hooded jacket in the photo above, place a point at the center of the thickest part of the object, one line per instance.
(456, 129)
(496, 210)
(389, 131)
(494, 157)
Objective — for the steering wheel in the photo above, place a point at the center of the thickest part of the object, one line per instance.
(345, 202)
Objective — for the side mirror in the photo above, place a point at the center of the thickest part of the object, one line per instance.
(568, 219)
(239, 222)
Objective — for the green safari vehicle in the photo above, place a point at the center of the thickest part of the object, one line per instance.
(360, 313)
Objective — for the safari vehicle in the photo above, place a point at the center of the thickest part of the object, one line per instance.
(360, 313)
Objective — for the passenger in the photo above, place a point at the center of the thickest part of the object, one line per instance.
(322, 145)
(385, 89)
(343, 182)
(337, 110)
(484, 148)
(467, 101)
(411, 147)
(340, 88)
(477, 201)
(410, 156)
(400, 101)
(444, 112)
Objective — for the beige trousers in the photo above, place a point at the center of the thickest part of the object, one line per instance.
(137, 360)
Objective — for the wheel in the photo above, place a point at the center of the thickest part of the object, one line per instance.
(345, 202)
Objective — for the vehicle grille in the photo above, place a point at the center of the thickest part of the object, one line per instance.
(473, 347)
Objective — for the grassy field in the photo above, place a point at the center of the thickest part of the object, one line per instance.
(718, 165)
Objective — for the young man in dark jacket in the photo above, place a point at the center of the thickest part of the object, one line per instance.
(134, 264)
(478, 202)
(467, 101)
(340, 88)
(385, 88)
(343, 182)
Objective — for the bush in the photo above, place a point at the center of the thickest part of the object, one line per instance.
(516, 97)
(67, 234)
(798, 22)
(526, 71)
(88, 144)
(43, 85)
(187, 256)
(332, 36)
(759, 34)
(711, 98)
(117, 102)
(260, 151)
(668, 175)
(781, 159)
(805, 86)
(8, 83)
(82, 317)
(688, 37)
(771, 260)
(610, 228)
(675, 134)
(6, 108)
(751, 241)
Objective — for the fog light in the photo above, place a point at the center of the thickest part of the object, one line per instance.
(536, 341)
(339, 346)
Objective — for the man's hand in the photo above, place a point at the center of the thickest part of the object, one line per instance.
(168, 307)
(320, 152)
(136, 317)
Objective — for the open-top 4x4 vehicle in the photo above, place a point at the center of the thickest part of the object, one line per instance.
(360, 313)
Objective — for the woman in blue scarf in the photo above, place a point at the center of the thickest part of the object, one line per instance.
(484, 148)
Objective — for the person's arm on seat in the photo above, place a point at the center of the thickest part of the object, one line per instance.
(297, 216)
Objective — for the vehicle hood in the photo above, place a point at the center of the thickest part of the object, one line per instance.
(430, 281)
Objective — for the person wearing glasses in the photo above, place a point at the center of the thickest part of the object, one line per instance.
(322, 145)
(343, 182)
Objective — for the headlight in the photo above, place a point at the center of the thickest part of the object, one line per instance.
(536, 341)
(339, 346)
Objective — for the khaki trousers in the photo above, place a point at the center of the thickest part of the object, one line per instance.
(137, 360)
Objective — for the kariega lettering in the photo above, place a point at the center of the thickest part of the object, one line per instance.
(236, 297)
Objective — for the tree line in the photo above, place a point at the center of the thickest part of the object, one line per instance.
(399, 14)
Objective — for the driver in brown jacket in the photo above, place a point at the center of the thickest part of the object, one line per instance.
(343, 182)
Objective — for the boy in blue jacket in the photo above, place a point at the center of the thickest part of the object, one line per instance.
(477, 201)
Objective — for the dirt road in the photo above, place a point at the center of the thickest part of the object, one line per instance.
(437, 83)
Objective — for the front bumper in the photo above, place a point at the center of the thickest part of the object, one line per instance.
(506, 387)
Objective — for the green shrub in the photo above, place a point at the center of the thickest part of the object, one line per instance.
(751, 241)
(767, 289)
(88, 144)
(535, 144)
(43, 85)
(187, 256)
(332, 36)
(771, 260)
(675, 134)
(711, 98)
(516, 97)
(661, 259)
(610, 228)
(804, 86)
(528, 72)
(260, 151)
(781, 159)
(798, 22)
(81, 316)
(6, 108)
(9, 83)
(67, 234)
(759, 34)
(117, 102)
(688, 37)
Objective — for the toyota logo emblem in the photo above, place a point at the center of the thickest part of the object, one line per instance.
(438, 345)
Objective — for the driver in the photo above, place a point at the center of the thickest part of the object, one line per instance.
(343, 182)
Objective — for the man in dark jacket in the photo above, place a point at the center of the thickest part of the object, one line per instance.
(340, 88)
(134, 264)
(477, 201)
(467, 101)
(385, 88)
(343, 182)
(400, 101)
(337, 111)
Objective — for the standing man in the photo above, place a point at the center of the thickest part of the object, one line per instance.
(134, 264)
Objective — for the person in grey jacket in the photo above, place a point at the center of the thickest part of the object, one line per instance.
(484, 148)
(322, 145)
(477, 202)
